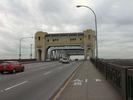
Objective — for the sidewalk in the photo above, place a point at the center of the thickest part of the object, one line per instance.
(89, 84)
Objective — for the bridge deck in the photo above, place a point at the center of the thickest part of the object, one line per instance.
(89, 84)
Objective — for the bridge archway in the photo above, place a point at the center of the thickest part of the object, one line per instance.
(85, 39)
(55, 53)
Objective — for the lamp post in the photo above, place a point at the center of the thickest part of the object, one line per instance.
(78, 6)
(20, 40)
(31, 51)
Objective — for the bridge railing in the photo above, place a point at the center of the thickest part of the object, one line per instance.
(121, 77)
(22, 60)
(130, 84)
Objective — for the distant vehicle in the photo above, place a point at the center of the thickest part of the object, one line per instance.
(11, 66)
(65, 60)
(48, 60)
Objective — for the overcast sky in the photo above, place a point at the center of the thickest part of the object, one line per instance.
(23, 18)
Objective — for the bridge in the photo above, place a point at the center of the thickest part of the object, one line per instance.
(94, 79)
(85, 39)
(87, 80)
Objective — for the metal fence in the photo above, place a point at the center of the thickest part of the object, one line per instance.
(22, 60)
(121, 77)
(130, 84)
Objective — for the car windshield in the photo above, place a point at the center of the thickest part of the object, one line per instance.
(8, 62)
(4, 64)
(64, 58)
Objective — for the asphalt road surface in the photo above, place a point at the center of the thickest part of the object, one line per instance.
(39, 81)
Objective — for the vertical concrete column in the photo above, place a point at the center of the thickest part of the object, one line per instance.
(56, 53)
(89, 43)
(59, 54)
(86, 42)
(85, 53)
(40, 44)
(51, 55)
(38, 54)
(44, 54)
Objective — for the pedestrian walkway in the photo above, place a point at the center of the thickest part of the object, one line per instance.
(89, 84)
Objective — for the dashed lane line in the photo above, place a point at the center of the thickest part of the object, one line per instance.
(14, 86)
(47, 73)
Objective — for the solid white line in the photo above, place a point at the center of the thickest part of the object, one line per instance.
(60, 67)
(47, 73)
(15, 85)
(98, 80)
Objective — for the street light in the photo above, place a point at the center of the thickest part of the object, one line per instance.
(78, 6)
(31, 51)
(20, 40)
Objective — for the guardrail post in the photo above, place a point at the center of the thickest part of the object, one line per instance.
(130, 84)
(124, 83)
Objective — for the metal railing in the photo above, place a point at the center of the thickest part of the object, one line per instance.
(121, 77)
(22, 60)
(130, 84)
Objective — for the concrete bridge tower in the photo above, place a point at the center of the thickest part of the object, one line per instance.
(85, 39)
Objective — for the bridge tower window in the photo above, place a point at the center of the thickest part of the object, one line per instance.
(55, 39)
(89, 36)
(72, 39)
(38, 37)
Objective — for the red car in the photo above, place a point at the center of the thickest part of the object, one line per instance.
(11, 66)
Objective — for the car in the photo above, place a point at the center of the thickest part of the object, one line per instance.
(11, 66)
(65, 60)
(48, 60)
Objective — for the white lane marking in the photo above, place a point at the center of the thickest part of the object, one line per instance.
(60, 67)
(86, 80)
(98, 80)
(47, 73)
(77, 82)
(15, 85)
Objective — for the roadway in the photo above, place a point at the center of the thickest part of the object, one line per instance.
(39, 81)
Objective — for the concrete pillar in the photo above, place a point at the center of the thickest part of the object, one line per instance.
(38, 54)
(51, 54)
(85, 53)
(55, 54)
(40, 43)
(89, 43)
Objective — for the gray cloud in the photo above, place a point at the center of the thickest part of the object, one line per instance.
(20, 18)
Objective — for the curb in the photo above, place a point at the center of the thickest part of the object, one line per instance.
(65, 83)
